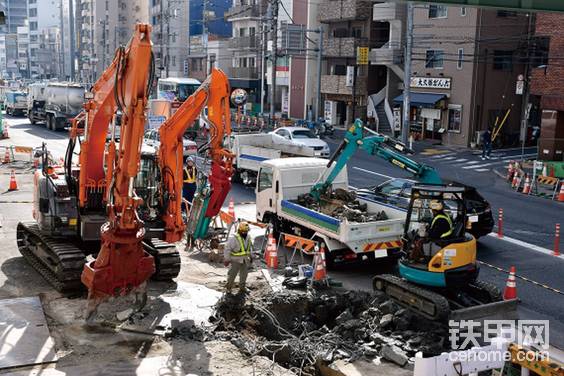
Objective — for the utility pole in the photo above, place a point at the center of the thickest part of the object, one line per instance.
(167, 37)
(318, 89)
(205, 34)
(262, 57)
(161, 39)
(274, 54)
(527, 86)
(72, 41)
(407, 74)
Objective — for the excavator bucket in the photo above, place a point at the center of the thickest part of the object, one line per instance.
(121, 268)
(220, 186)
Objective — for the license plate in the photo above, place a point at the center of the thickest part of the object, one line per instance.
(381, 253)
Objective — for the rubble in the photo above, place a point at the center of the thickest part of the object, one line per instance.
(341, 204)
(295, 329)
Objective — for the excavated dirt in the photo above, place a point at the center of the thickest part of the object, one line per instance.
(341, 204)
(297, 329)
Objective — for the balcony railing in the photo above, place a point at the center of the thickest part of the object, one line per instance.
(248, 73)
(243, 11)
(343, 10)
(388, 54)
(388, 11)
(333, 84)
(244, 42)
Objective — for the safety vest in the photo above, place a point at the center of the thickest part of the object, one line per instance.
(190, 177)
(242, 250)
(449, 232)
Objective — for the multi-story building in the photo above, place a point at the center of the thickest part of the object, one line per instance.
(466, 63)
(9, 56)
(245, 46)
(16, 15)
(350, 90)
(170, 36)
(214, 21)
(104, 26)
(23, 51)
(48, 55)
(202, 57)
(547, 94)
(42, 15)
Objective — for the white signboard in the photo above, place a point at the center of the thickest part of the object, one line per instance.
(285, 102)
(397, 119)
(330, 112)
(431, 82)
(520, 87)
(350, 76)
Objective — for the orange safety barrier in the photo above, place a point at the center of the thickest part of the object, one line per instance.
(307, 246)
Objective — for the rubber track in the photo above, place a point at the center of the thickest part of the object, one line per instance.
(65, 274)
(442, 307)
(493, 292)
(167, 259)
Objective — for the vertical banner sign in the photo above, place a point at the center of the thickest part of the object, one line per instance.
(350, 76)
(362, 55)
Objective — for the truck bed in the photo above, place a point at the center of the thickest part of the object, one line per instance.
(359, 237)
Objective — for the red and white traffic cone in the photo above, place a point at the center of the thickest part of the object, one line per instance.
(515, 179)
(6, 156)
(231, 209)
(557, 240)
(527, 186)
(561, 194)
(510, 291)
(500, 223)
(320, 272)
(13, 183)
(271, 253)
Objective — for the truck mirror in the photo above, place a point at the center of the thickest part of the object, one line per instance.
(88, 95)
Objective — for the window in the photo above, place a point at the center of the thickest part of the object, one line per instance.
(541, 48)
(265, 179)
(283, 133)
(252, 62)
(33, 12)
(454, 118)
(506, 13)
(460, 58)
(252, 31)
(356, 32)
(463, 12)
(437, 11)
(434, 59)
(503, 60)
(174, 61)
(33, 26)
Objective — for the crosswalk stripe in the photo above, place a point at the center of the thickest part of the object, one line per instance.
(461, 160)
(441, 156)
(482, 169)
(448, 158)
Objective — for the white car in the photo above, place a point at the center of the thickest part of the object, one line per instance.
(152, 138)
(305, 137)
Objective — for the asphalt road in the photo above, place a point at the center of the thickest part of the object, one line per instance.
(528, 219)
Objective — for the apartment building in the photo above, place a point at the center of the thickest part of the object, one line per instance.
(547, 93)
(352, 90)
(170, 36)
(23, 51)
(42, 15)
(466, 64)
(104, 26)
(8, 56)
(15, 12)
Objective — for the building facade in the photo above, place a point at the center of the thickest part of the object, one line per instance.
(16, 15)
(547, 94)
(105, 25)
(359, 88)
(466, 64)
(23, 51)
(169, 19)
(43, 16)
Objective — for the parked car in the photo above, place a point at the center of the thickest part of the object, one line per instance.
(304, 137)
(152, 138)
(397, 192)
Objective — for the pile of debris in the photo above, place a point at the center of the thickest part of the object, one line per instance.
(298, 329)
(341, 204)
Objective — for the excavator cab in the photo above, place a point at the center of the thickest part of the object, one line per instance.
(438, 254)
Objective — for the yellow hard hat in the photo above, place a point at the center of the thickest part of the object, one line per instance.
(436, 205)
(243, 227)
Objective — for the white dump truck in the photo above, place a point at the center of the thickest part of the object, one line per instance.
(252, 149)
(281, 181)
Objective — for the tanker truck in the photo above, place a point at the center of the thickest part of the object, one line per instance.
(55, 103)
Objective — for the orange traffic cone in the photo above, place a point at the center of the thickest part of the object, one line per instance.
(527, 186)
(271, 253)
(510, 291)
(544, 171)
(231, 210)
(6, 156)
(13, 184)
(320, 272)
(561, 194)
(515, 179)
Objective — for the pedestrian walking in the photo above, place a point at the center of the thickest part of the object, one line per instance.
(189, 180)
(237, 252)
(486, 144)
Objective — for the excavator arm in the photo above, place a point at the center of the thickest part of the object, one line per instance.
(213, 94)
(379, 145)
(121, 265)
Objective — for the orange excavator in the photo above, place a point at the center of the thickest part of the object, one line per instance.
(77, 206)
(212, 95)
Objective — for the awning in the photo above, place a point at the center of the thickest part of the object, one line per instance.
(421, 99)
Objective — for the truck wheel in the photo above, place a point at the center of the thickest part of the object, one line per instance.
(50, 121)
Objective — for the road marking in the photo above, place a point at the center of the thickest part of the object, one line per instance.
(482, 169)
(523, 244)
(461, 160)
(372, 172)
(440, 155)
(447, 158)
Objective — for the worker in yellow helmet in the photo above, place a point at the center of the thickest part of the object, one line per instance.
(441, 225)
(238, 252)
(189, 180)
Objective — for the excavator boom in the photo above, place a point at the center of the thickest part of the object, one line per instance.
(122, 264)
(213, 94)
